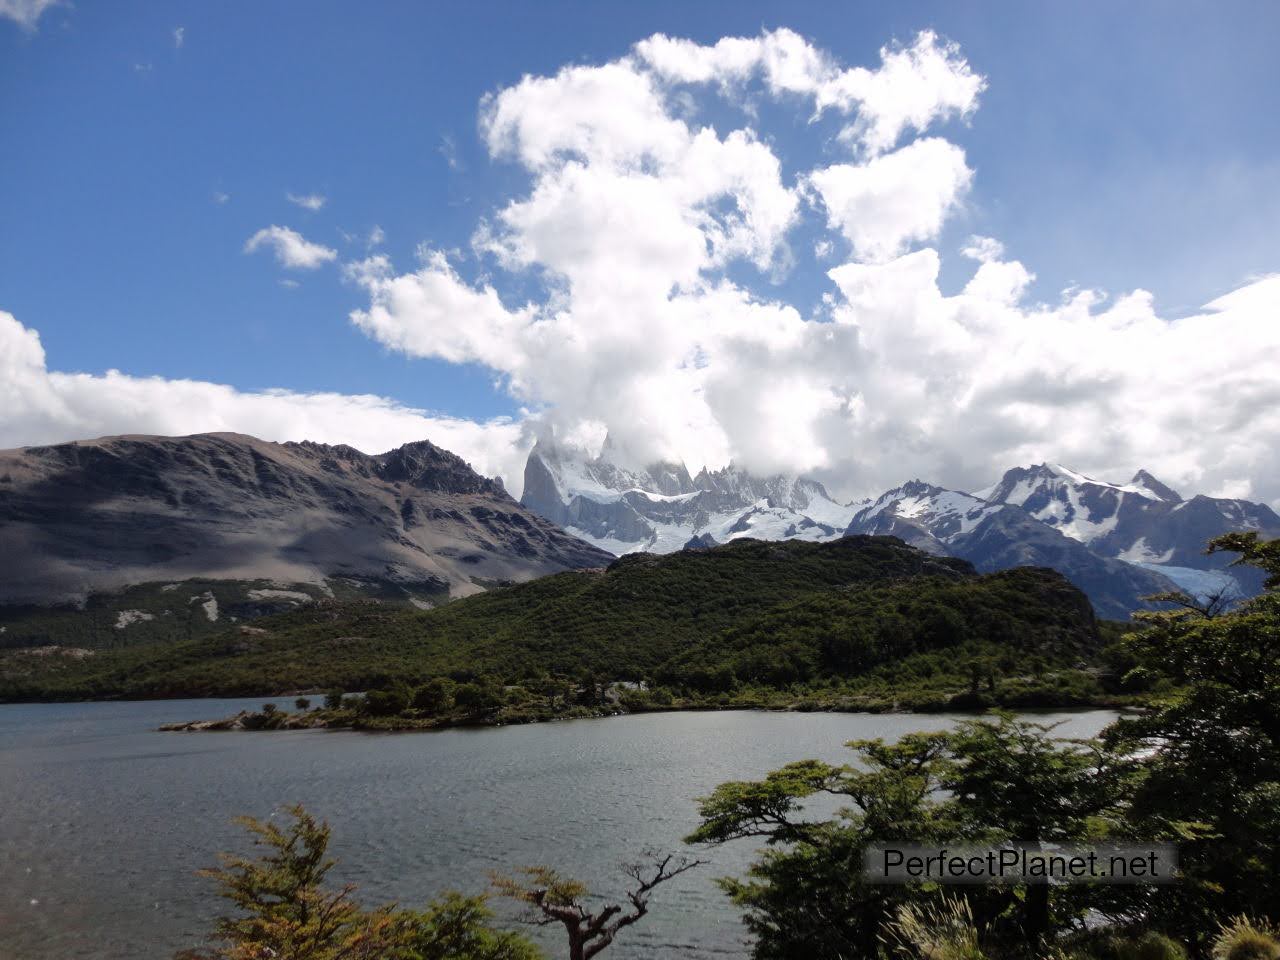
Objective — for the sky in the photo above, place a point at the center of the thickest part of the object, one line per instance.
(865, 242)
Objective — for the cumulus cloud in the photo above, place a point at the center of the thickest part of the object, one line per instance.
(25, 13)
(44, 406)
(179, 37)
(291, 248)
(655, 240)
(913, 87)
(307, 201)
(983, 249)
(896, 199)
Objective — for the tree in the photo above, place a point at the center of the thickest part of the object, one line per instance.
(283, 908)
(302, 703)
(553, 898)
(1011, 780)
(1212, 777)
(388, 702)
(1004, 779)
(435, 696)
(333, 700)
(806, 896)
(456, 927)
(477, 698)
(285, 911)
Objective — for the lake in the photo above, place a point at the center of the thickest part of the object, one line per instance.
(103, 821)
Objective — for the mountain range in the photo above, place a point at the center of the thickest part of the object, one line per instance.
(1117, 542)
(660, 508)
(82, 518)
(253, 527)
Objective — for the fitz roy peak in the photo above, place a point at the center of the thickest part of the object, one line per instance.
(661, 507)
(1117, 542)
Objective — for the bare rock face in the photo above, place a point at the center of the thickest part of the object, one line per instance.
(100, 515)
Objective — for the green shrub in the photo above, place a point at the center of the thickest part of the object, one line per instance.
(435, 696)
(386, 703)
(1244, 939)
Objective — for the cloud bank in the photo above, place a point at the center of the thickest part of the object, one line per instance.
(49, 407)
(646, 226)
(658, 224)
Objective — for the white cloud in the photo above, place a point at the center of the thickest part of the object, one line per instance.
(25, 13)
(432, 313)
(291, 248)
(44, 406)
(895, 199)
(220, 198)
(913, 87)
(308, 201)
(179, 37)
(983, 249)
(639, 222)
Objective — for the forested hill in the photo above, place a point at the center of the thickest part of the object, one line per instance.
(746, 614)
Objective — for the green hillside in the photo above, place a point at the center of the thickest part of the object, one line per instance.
(740, 620)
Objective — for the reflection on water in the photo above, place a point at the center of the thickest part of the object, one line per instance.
(103, 822)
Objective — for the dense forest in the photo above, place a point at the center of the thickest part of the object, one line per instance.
(859, 623)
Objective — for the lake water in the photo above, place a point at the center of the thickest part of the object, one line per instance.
(103, 821)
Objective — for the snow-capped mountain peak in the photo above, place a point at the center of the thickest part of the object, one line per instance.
(1154, 488)
(1117, 541)
(943, 514)
(660, 507)
(1081, 507)
(1143, 522)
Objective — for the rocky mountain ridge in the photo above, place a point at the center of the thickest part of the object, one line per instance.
(101, 515)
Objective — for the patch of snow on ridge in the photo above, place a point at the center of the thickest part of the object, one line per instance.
(209, 604)
(1080, 479)
(1021, 491)
(613, 545)
(126, 617)
(1077, 523)
(833, 514)
(296, 595)
(1143, 555)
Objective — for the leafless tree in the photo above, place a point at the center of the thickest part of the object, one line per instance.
(553, 898)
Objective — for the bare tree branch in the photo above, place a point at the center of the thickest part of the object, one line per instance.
(556, 899)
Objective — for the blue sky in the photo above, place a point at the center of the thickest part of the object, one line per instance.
(1115, 146)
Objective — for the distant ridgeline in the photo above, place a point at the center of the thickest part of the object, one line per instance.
(857, 622)
(1117, 542)
(137, 539)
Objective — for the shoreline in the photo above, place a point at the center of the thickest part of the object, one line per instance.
(247, 721)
